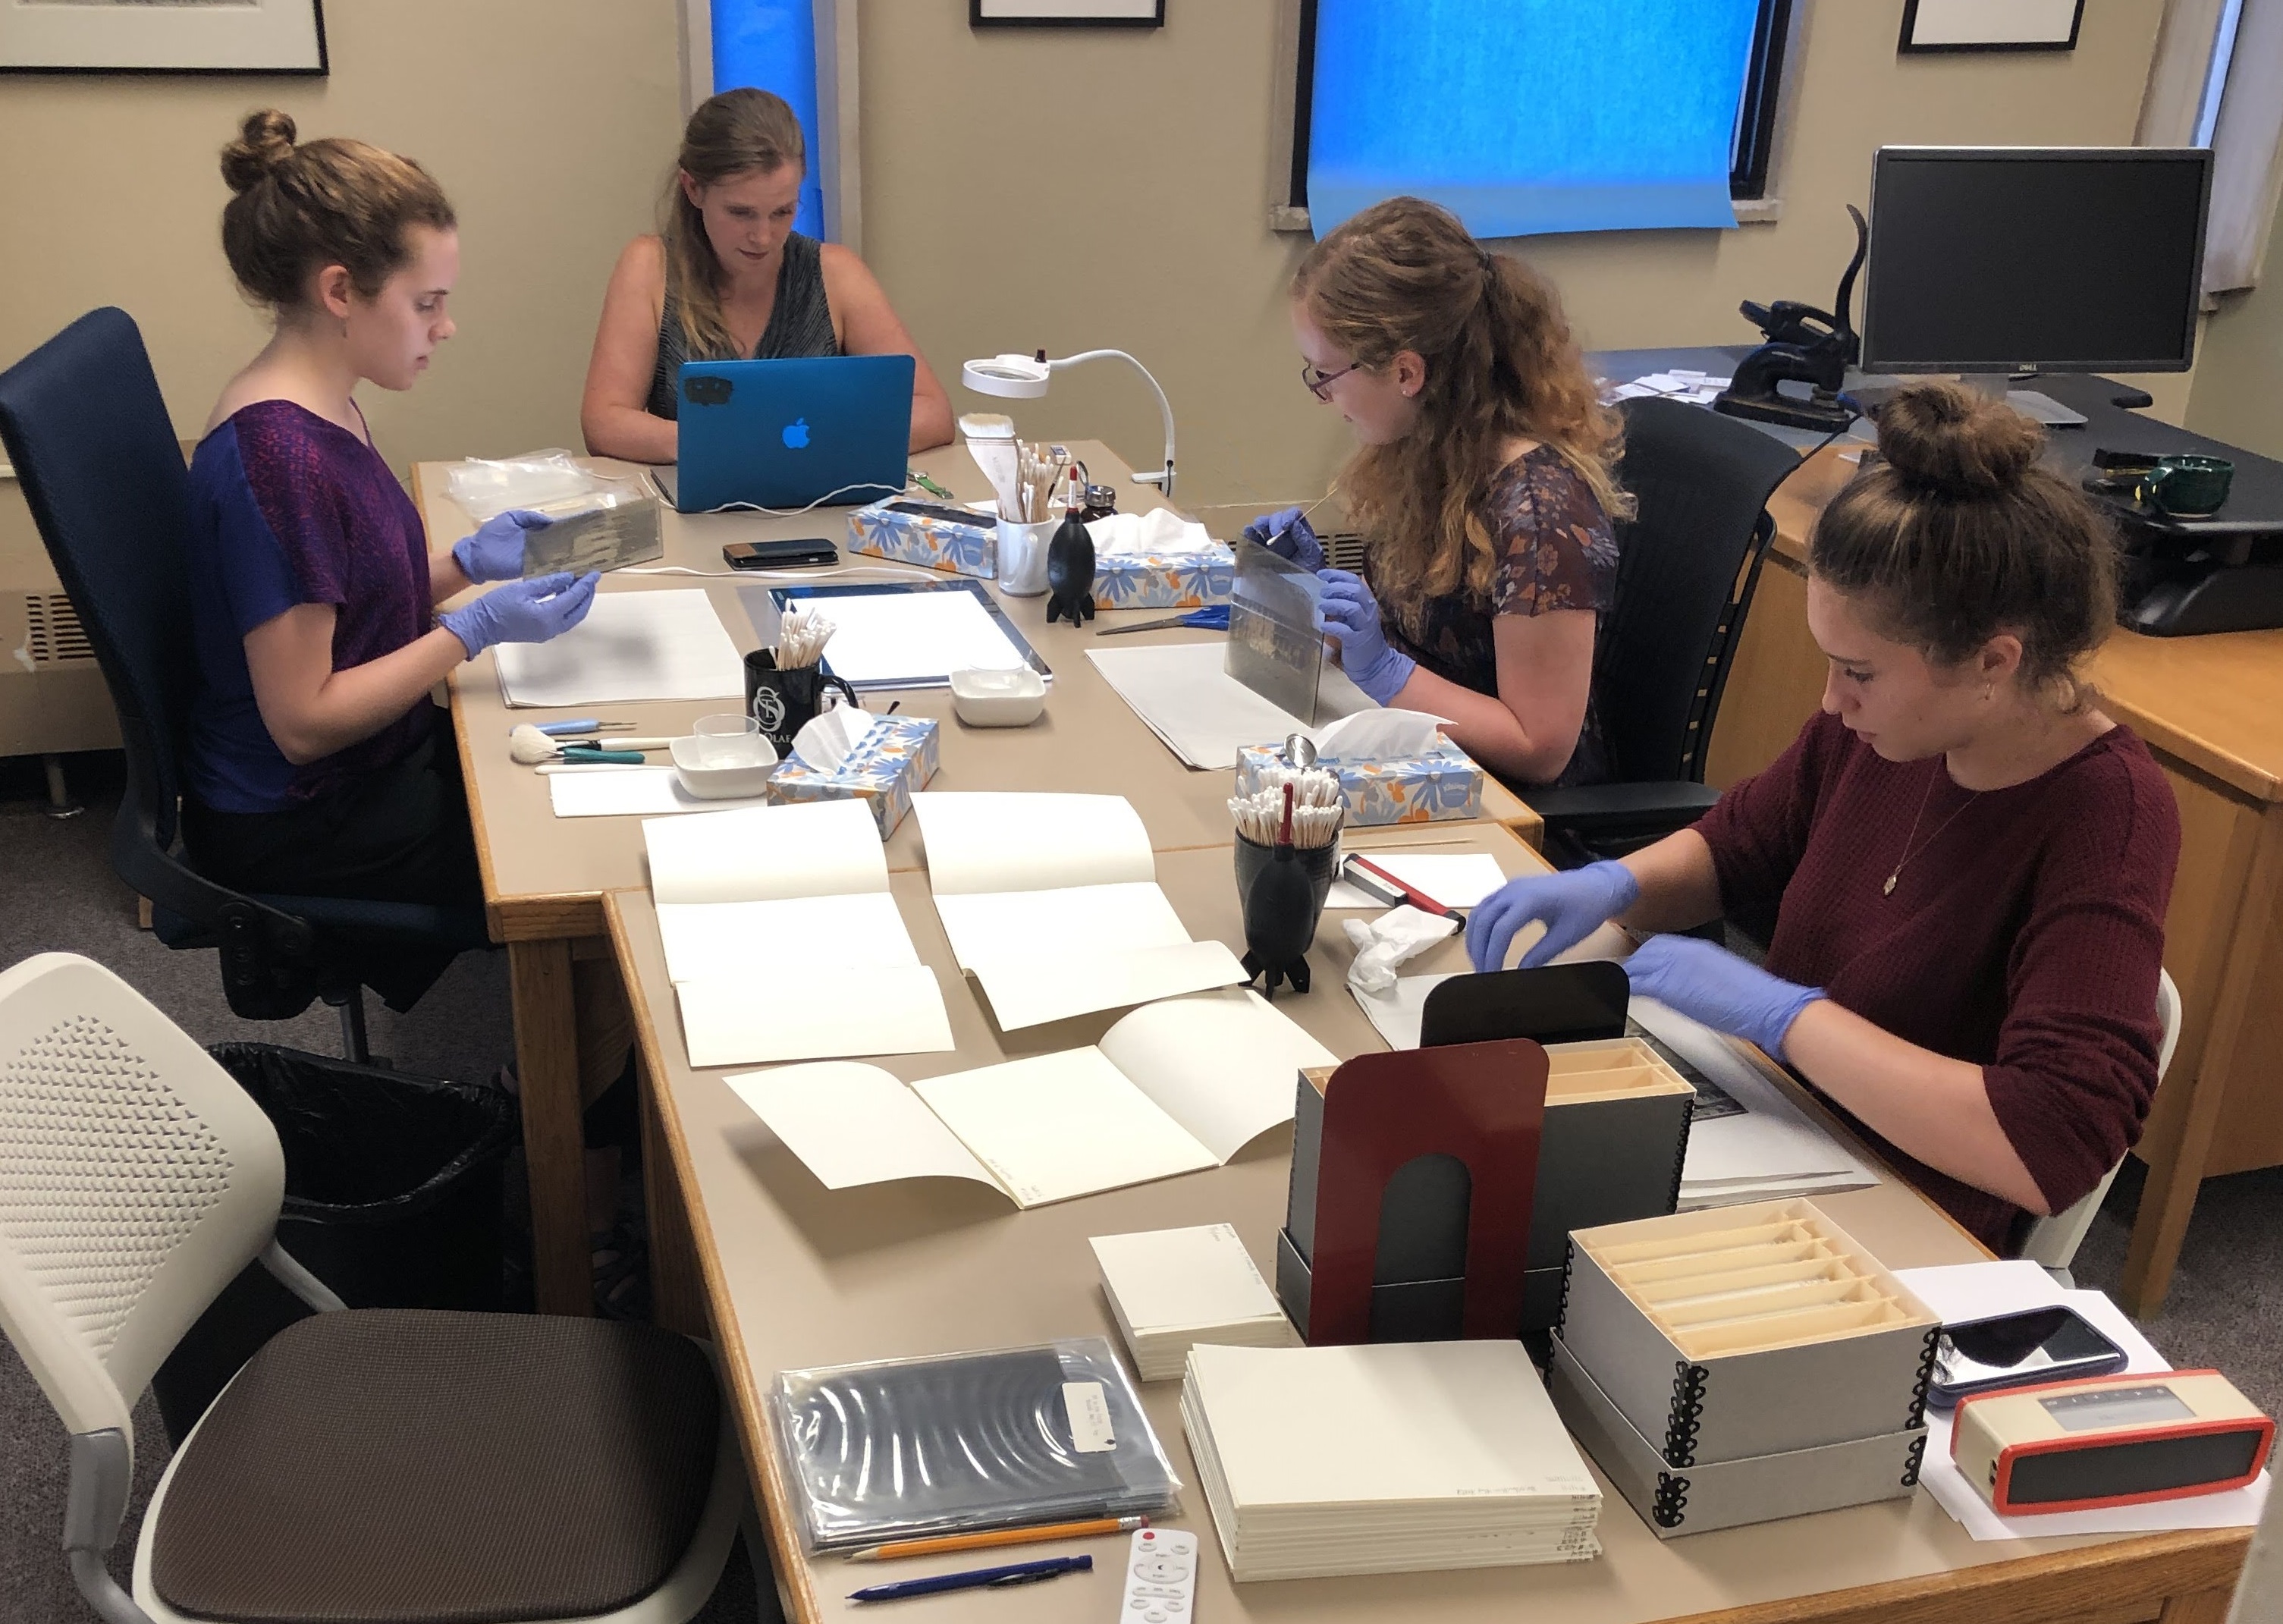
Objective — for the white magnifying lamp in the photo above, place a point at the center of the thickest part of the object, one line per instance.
(1025, 378)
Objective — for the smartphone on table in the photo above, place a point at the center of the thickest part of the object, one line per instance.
(2013, 1350)
(797, 553)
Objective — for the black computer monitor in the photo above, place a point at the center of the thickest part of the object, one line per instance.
(1998, 260)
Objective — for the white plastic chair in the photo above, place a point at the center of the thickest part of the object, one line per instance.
(136, 1180)
(2053, 1242)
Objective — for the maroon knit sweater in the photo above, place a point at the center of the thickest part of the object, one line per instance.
(2025, 936)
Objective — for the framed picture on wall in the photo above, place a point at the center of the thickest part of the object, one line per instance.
(163, 36)
(1991, 24)
(1066, 13)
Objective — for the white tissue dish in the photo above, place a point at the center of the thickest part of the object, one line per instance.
(1008, 698)
(724, 768)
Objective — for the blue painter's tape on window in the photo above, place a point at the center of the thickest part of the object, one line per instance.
(771, 44)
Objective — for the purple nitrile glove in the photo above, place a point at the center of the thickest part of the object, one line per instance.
(1286, 534)
(494, 552)
(1350, 615)
(528, 611)
(1572, 904)
(1712, 984)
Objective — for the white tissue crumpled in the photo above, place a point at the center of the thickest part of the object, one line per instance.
(1401, 933)
(1378, 736)
(1133, 535)
(831, 736)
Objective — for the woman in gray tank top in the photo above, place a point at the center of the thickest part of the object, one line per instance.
(727, 278)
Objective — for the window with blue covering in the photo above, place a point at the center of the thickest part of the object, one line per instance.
(1533, 116)
(771, 44)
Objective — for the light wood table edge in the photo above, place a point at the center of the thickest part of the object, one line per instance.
(2205, 1561)
(787, 1562)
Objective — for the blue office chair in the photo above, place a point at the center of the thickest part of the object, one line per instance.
(1688, 566)
(83, 421)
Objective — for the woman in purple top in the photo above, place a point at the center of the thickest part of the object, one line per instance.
(314, 764)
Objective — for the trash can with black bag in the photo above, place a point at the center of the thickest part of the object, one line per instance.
(392, 1187)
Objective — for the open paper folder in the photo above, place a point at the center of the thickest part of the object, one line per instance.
(1051, 902)
(781, 940)
(1174, 1087)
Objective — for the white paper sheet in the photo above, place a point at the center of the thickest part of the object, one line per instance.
(1225, 1064)
(854, 1124)
(1062, 1125)
(812, 849)
(1202, 714)
(911, 639)
(814, 1014)
(1169, 1280)
(785, 935)
(630, 792)
(1031, 989)
(1080, 923)
(1976, 1291)
(981, 840)
(1455, 879)
(665, 644)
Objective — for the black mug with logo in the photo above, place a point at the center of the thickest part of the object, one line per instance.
(784, 702)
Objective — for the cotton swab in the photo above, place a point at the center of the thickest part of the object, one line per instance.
(801, 638)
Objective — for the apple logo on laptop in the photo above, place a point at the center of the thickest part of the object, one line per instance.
(796, 435)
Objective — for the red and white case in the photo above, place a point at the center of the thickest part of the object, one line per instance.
(1993, 1433)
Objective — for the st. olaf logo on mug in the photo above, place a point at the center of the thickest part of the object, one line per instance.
(769, 709)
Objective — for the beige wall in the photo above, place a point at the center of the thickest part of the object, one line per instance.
(550, 125)
(1022, 188)
(2239, 378)
(1159, 143)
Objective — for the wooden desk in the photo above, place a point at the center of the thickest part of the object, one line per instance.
(544, 877)
(794, 1276)
(2211, 710)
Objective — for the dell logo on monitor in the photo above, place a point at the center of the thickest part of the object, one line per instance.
(796, 435)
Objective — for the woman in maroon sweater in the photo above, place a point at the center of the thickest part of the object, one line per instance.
(1961, 867)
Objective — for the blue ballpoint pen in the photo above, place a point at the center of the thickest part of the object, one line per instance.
(975, 1579)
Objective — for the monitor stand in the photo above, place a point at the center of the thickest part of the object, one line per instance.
(2038, 407)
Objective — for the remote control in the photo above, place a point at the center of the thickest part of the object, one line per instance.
(1161, 1578)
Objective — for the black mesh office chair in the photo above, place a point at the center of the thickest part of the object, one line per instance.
(83, 421)
(1690, 564)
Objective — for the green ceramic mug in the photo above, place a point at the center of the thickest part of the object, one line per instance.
(2187, 486)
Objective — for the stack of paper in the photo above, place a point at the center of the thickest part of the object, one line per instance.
(781, 940)
(1051, 903)
(1172, 1087)
(1387, 1457)
(1172, 1289)
(1182, 694)
(1681, 384)
(632, 645)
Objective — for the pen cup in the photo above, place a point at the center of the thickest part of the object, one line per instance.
(1282, 898)
(1023, 557)
(784, 702)
(2187, 486)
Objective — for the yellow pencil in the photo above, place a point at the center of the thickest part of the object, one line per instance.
(999, 1536)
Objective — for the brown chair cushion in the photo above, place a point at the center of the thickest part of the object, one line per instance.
(422, 1467)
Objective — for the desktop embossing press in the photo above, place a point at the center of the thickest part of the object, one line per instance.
(2104, 1441)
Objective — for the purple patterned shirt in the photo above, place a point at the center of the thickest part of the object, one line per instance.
(290, 509)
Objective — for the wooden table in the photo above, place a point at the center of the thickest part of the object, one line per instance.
(789, 1274)
(2211, 710)
(544, 877)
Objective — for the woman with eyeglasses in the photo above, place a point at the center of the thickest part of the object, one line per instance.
(1484, 480)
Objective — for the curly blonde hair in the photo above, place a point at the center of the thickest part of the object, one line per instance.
(1501, 365)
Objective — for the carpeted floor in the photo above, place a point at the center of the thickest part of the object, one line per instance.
(57, 892)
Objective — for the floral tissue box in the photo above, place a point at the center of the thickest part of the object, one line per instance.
(1191, 579)
(933, 543)
(1441, 784)
(890, 763)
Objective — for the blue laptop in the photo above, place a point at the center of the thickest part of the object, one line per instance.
(829, 430)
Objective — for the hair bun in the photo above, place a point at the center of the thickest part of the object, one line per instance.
(1952, 440)
(265, 141)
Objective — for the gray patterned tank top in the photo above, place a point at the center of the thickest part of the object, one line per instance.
(800, 324)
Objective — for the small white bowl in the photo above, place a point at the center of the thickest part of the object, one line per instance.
(701, 765)
(1010, 699)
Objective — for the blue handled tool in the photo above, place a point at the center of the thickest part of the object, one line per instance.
(975, 1579)
(582, 724)
(1213, 619)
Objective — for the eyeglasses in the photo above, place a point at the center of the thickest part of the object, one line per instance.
(1319, 382)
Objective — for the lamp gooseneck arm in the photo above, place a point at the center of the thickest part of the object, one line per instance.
(1164, 481)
